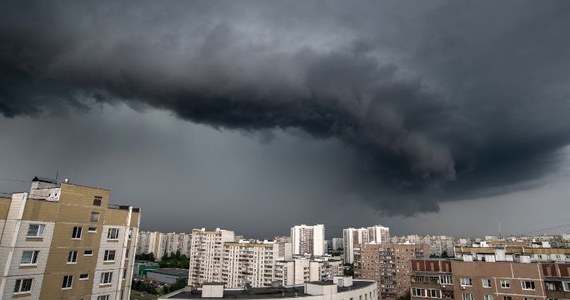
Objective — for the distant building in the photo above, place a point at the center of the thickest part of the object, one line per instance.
(336, 244)
(301, 270)
(355, 237)
(308, 239)
(65, 241)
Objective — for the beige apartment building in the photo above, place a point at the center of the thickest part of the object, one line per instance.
(65, 241)
(390, 265)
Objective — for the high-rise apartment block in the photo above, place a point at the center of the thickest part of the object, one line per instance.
(249, 263)
(161, 244)
(65, 241)
(390, 265)
(308, 239)
(206, 255)
(355, 237)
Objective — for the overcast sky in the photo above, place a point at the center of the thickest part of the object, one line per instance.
(425, 116)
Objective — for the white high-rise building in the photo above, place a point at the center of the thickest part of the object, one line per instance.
(249, 263)
(301, 270)
(354, 237)
(206, 255)
(308, 239)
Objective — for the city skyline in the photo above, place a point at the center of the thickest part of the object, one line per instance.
(434, 117)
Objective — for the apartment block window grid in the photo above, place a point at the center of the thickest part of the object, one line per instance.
(67, 282)
(23, 286)
(76, 234)
(466, 281)
(505, 283)
(113, 234)
(106, 278)
(29, 257)
(486, 282)
(36, 230)
(109, 255)
(72, 257)
(527, 285)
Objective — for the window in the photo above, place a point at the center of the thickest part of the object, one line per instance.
(488, 297)
(72, 257)
(109, 255)
(566, 286)
(92, 229)
(465, 281)
(486, 282)
(130, 233)
(467, 296)
(505, 283)
(551, 286)
(103, 297)
(418, 292)
(88, 253)
(527, 285)
(124, 273)
(127, 253)
(83, 276)
(113, 234)
(94, 217)
(67, 282)
(29, 257)
(507, 298)
(97, 200)
(23, 285)
(76, 234)
(433, 293)
(446, 279)
(106, 278)
(36, 230)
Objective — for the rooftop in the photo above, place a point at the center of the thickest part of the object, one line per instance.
(268, 292)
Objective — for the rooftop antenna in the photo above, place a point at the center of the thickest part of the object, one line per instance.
(500, 233)
(56, 175)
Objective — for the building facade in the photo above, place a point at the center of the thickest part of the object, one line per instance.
(206, 255)
(249, 263)
(308, 239)
(390, 265)
(65, 241)
(354, 238)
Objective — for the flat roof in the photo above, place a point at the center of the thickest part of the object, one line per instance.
(269, 292)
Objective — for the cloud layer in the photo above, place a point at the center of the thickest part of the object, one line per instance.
(437, 101)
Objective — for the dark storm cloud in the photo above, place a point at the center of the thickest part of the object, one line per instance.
(437, 101)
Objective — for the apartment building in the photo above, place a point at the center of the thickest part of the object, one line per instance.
(178, 242)
(308, 239)
(301, 270)
(390, 265)
(206, 255)
(497, 280)
(65, 241)
(151, 242)
(355, 237)
(249, 263)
